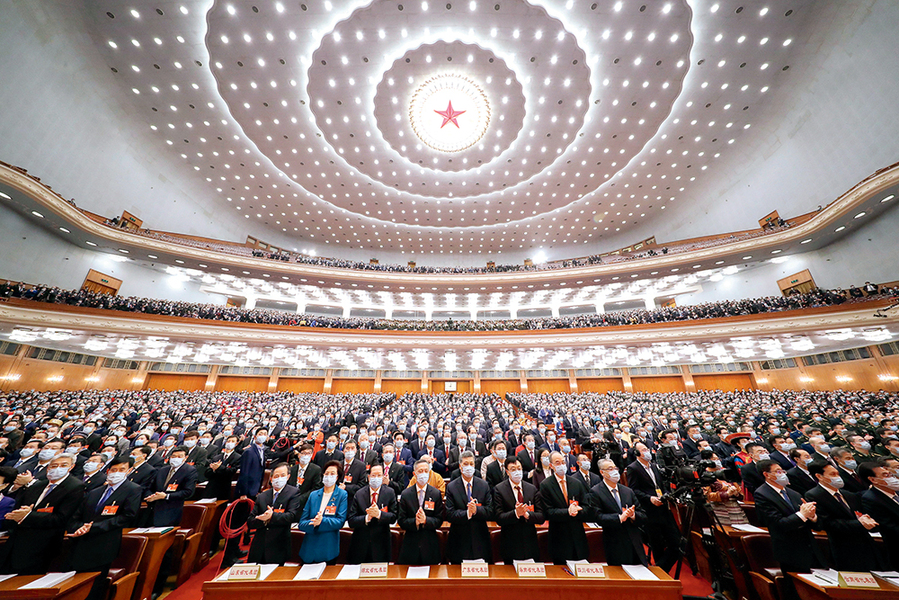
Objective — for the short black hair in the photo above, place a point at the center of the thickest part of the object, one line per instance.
(8, 474)
(510, 460)
(281, 464)
(794, 454)
(120, 460)
(764, 466)
(866, 470)
(816, 467)
(142, 450)
(334, 463)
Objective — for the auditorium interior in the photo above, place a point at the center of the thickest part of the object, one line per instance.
(650, 243)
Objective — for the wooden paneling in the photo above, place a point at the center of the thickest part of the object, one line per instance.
(659, 384)
(175, 381)
(231, 383)
(727, 382)
(601, 386)
(463, 386)
(352, 386)
(401, 386)
(861, 374)
(548, 386)
(301, 385)
(500, 386)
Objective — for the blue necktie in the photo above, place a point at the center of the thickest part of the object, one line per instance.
(469, 492)
(105, 496)
(783, 493)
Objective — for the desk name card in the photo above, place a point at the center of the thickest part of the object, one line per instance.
(243, 573)
(373, 570)
(531, 570)
(475, 570)
(858, 580)
(589, 571)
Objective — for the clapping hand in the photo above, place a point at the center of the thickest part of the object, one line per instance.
(373, 511)
(18, 514)
(82, 530)
(472, 507)
(317, 520)
(628, 513)
(574, 509)
(420, 517)
(521, 510)
(264, 517)
(867, 522)
(807, 510)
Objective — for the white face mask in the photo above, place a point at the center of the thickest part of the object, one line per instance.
(422, 478)
(468, 471)
(229, 446)
(115, 478)
(516, 476)
(892, 483)
(190, 443)
(614, 476)
(560, 470)
(304, 459)
(349, 455)
(279, 482)
(91, 467)
(57, 473)
(388, 457)
(329, 480)
(26, 453)
(375, 482)
(176, 462)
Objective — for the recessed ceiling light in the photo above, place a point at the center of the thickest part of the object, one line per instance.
(37, 214)
(860, 215)
(153, 256)
(91, 244)
(123, 251)
(887, 199)
(64, 230)
(179, 261)
(806, 241)
(839, 229)
(746, 257)
(2, 195)
(776, 251)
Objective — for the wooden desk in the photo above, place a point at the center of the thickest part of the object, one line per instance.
(446, 583)
(813, 591)
(75, 588)
(157, 544)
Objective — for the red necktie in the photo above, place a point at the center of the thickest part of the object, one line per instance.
(520, 496)
(374, 498)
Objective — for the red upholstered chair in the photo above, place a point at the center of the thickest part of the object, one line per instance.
(596, 548)
(130, 555)
(543, 545)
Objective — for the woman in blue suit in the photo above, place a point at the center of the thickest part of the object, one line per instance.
(323, 516)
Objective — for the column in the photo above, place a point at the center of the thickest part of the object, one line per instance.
(650, 303)
(378, 381)
(555, 311)
(212, 378)
(346, 311)
(523, 381)
(476, 385)
(689, 384)
(572, 381)
(250, 303)
(626, 379)
(329, 379)
(273, 379)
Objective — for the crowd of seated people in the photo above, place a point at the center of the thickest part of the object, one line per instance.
(594, 259)
(85, 465)
(217, 312)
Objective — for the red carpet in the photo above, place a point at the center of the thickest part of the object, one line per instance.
(192, 588)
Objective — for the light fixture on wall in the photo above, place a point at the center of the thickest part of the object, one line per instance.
(55, 378)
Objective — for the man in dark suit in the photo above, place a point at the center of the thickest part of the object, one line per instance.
(563, 501)
(305, 475)
(222, 470)
(94, 475)
(252, 466)
(790, 521)
(39, 520)
(495, 472)
(780, 452)
(846, 466)
(514, 502)
(468, 508)
(881, 502)
(584, 474)
(354, 473)
(840, 515)
(394, 473)
(420, 515)
(141, 472)
(174, 484)
(372, 511)
(749, 472)
(274, 512)
(197, 455)
(645, 480)
(328, 453)
(800, 479)
(620, 516)
(434, 455)
(98, 524)
(570, 459)
(527, 457)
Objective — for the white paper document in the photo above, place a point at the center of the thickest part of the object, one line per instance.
(748, 528)
(349, 572)
(266, 570)
(826, 576)
(50, 580)
(310, 572)
(570, 563)
(418, 572)
(639, 573)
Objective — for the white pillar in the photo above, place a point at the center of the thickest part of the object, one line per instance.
(346, 311)
(650, 303)
(388, 312)
(600, 308)
(474, 314)
(250, 304)
(555, 311)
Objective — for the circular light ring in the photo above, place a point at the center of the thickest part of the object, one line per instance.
(425, 112)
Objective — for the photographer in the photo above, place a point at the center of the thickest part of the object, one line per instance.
(645, 479)
(670, 455)
(722, 495)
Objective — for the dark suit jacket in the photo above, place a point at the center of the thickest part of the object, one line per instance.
(751, 476)
(144, 475)
(851, 546)
(886, 512)
(94, 481)
(800, 481)
(639, 482)
(354, 478)
(567, 538)
(421, 546)
(527, 465)
(783, 460)
(397, 476)
(851, 482)
(271, 544)
(220, 480)
(439, 464)
(35, 541)
(199, 458)
(251, 470)
(183, 484)
(791, 537)
(468, 539)
(622, 541)
(312, 480)
(518, 538)
(589, 480)
(322, 457)
(496, 473)
(98, 548)
(371, 541)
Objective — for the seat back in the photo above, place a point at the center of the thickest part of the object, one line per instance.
(749, 511)
(192, 517)
(130, 553)
(122, 589)
(495, 546)
(543, 546)
(396, 542)
(345, 536)
(764, 587)
(188, 556)
(759, 552)
(296, 541)
(597, 551)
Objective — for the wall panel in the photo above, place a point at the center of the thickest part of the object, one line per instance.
(548, 386)
(727, 382)
(401, 386)
(352, 386)
(659, 384)
(301, 385)
(175, 381)
(462, 386)
(500, 386)
(601, 386)
(231, 383)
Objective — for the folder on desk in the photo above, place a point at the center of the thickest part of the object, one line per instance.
(639, 573)
(349, 572)
(50, 580)
(747, 528)
(310, 572)
(418, 572)
(5, 577)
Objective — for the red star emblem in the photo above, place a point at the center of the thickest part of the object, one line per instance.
(449, 115)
